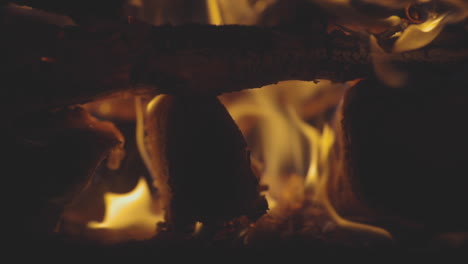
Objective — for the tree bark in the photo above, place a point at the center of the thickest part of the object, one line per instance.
(405, 153)
(204, 163)
(48, 66)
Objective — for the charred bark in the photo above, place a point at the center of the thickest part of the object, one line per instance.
(79, 10)
(47, 66)
(406, 151)
(205, 162)
(50, 158)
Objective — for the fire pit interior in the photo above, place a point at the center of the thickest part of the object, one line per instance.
(235, 124)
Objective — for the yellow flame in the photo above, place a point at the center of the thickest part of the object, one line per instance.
(198, 228)
(132, 210)
(318, 176)
(418, 36)
(282, 140)
(244, 12)
(286, 140)
(214, 12)
(135, 214)
(415, 36)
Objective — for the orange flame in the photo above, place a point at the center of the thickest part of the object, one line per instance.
(286, 140)
(419, 35)
(213, 12)
(131, 212)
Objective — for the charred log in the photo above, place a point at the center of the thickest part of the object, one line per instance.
(51, 157)
(48, 66)
(79, 10)
(405, 151)
(206, 161)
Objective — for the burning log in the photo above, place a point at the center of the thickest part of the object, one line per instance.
(204, 161)
(51, 158)
(71, 65)
(196, 62)
(79, 10)
(406, 152)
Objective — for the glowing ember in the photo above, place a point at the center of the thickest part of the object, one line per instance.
(48, 59)
(131, 212)
(198, 228)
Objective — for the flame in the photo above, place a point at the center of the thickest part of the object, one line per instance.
(282, 139)
(198, 228)
(295, 155)
(285, 140)
(214, 12)
(232, 12)
(414, 36)
(134, 214)
(131, 211)
(419, 35)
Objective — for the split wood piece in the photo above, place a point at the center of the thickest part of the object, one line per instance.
(406, 156)
(46, 66)
(51, 157)
(205, 161)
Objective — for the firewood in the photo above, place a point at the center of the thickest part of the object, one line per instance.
(205, 163)
(406, 152)
(52, 157)
(79, 10)
(48, 66)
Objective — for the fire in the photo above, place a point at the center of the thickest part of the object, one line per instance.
(294, 154)
(213, 7)
(413, 37)
(283, 135)
(131, 212)
(133, 215)
(419, 35)
(231, 12)
(286, 141)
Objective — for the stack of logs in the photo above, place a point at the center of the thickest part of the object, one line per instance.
(405, 147)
